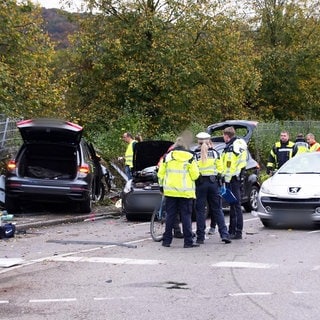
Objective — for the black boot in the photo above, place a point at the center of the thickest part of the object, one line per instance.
(178, 234)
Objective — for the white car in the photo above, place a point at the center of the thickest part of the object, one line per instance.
(291, 196)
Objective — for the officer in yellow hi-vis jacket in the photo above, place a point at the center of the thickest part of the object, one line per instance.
(128, 157)
(300, 145)
(177, 174)
(234, 159)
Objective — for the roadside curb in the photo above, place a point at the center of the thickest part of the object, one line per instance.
(23, 226)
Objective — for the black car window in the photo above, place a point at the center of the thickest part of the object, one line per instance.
(86, 155)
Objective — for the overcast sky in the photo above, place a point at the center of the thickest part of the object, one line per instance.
(48, 3)
(55, 3)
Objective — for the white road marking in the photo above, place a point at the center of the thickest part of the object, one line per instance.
(31, 262)
(52, 300)
(138, 224)
(251, 219)
(106, 260)
(306, 292)
(9, 262)
(238, 294)
(239, 264)
(250, 294)
(314, 231)
(113, 298)
(315, 268)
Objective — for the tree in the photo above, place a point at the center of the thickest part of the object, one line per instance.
(289, 45)
(26, 86)
(173, 62)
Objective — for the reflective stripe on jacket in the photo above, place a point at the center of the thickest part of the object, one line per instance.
(300, 147)
(212, 165)
(233, 161)
(177, 174)
(315, 147)
(279, 154)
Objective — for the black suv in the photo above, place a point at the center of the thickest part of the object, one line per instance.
(54, 164)
(250, 185)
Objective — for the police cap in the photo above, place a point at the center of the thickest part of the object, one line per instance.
(203, 135)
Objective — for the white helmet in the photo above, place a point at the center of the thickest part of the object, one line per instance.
(203, 135)
(239, 145)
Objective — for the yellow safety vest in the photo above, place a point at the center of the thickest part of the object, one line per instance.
(129, 154)
(315, 147)
(300, 147)
(212, 165)
(177, 174)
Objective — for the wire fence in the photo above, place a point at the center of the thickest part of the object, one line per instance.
(264, 136)
(9, 137)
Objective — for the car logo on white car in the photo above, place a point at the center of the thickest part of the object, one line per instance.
(294, 189)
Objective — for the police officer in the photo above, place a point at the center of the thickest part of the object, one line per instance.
(177, 174)
(280, 153)
(207, 188)
(300, 145)
(179, 144)
(234, 159)
(128, 157)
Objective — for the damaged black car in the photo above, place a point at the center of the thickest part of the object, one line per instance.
(141, 194)
(53, 165)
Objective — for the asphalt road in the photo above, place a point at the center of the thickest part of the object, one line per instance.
(31, 219)
(109, 268)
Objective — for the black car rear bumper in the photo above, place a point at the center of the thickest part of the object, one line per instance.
(141, 202)
(47, 193)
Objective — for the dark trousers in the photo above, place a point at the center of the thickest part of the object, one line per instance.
(236, 216)
(211, 215)
(173, 206)
(208, 192)
(176, 225)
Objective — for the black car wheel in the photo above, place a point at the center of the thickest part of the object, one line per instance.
(85, 206)
(267, 223)
(12, 205)
(98, 191)
(252, 204)
(129, 216)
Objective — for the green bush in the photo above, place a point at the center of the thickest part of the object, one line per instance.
(107, 136)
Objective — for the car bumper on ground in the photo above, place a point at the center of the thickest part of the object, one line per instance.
(140, 202)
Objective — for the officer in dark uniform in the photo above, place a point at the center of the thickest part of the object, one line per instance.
(207, 188)
(280, 153)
